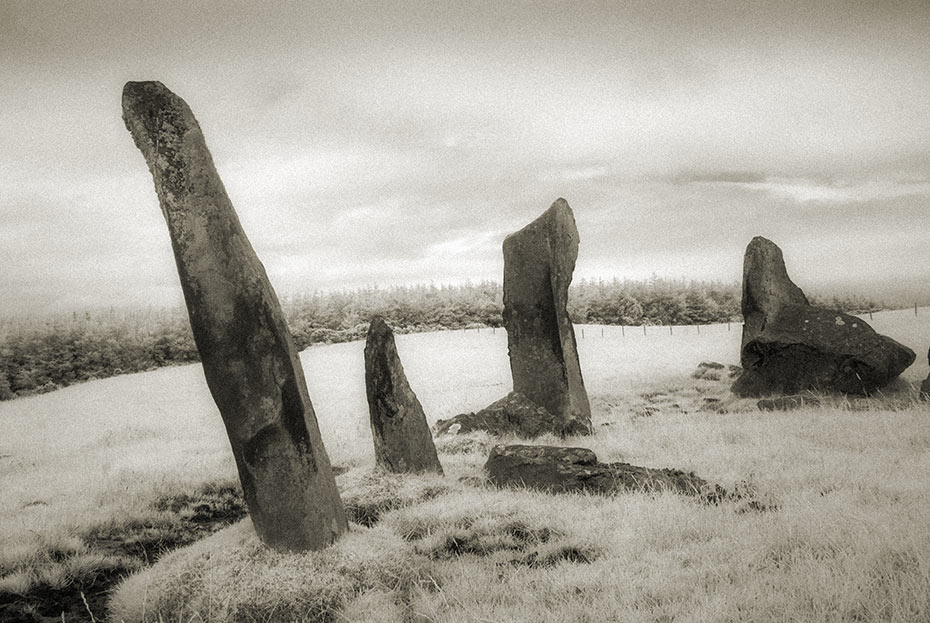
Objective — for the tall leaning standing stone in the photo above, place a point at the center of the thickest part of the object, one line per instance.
(402, 438)
(538, 264)
(249, 358)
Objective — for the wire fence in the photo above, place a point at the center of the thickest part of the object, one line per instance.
(588, 331)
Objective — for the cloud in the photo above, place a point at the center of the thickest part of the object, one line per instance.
(365, 143)
(715, 177)
(809, 190)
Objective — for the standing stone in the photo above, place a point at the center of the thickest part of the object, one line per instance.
(925, 386)
(538, 264)
(789, 346)
(766, 286)
(403, 442)
(249, 358)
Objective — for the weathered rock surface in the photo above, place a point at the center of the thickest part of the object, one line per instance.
(555, 469)
(538, 264)
(789, 346)
(402, 438)
(766, 286)
(786, 403)
(514, 414)
(925, 386)
(249, 359)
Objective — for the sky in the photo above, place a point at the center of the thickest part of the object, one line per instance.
(390, 143)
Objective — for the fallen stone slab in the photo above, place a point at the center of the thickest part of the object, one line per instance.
(790, 346)
(514, 414)
(559, 470)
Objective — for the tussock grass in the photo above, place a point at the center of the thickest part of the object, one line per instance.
(58, 572)
(231, 576)
(844, 538)
(367, 495)
(523, 556)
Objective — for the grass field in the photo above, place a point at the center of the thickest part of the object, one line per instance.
(849, 539)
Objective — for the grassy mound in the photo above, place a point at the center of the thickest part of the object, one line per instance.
(842, 537)
(475, 554)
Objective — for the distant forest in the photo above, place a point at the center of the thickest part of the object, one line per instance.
(38, 356)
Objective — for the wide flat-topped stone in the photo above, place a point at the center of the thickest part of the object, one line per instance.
(559, 470)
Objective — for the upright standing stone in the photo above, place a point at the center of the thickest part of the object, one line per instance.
(538, 264)
(248, 355)
(403, 442)
(790, 346)
(767, 288)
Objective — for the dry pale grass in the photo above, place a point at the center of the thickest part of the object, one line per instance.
(848, 541)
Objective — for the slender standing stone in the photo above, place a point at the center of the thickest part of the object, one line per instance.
(249, 358)
(403, 442)
(538, 264)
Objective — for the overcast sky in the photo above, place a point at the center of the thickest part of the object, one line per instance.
(390, 143)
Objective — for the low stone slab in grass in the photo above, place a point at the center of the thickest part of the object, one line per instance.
(559, 470)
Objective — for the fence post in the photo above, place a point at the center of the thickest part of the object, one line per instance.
(582, 334)
(602, 331)
(622, 332)
(670, 330)
(698, 328)
(644, 329)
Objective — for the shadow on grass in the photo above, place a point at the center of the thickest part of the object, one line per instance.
(74, 583)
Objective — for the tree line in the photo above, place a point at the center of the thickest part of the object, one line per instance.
(37, 356)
